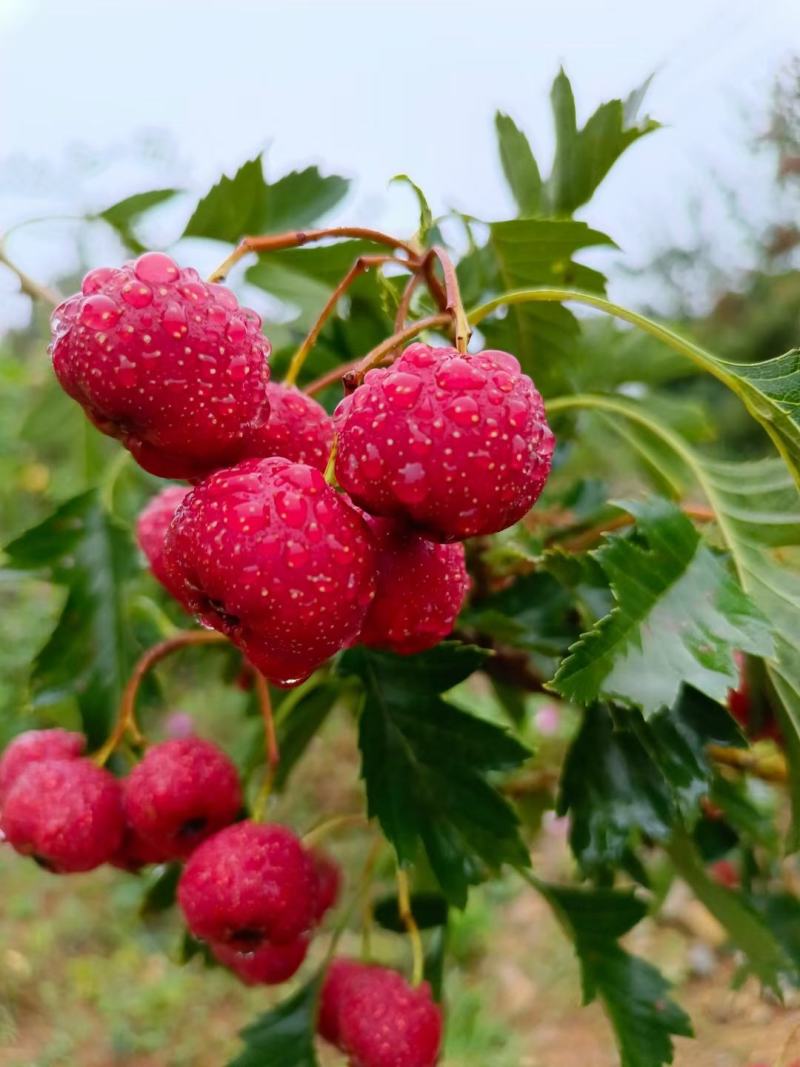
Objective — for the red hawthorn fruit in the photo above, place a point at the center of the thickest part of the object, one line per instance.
(33, 746)
(66, 814)
(266, 965)
(249, 884)
(134, 852)
(750, 709)
(298, 428)
(328, 882)
(420, 587)
(724, 872)
(377, 1019)
(458, 445)
(181, 793)
(165, 362)
(151, 529)
(271, 556)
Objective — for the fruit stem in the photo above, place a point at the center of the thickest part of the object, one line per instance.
(328, 826)
(331, 377)
(27, 284)
(425, 271)
(454, 305)
(126, 717)
(270, 744)
(410, 923)
(296, 238)
(771, 768)
(361, 266)
(355, 376)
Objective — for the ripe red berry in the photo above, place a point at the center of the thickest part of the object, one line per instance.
(328, 883)
(65, 813)
(248, 884)
(134, 852)
(151, 529)
(419, 589)
(267, 965)
(33, 746)
(377, 1019)
(164, 361)
(298, 428)
(458, 445)
(270, 555)
(182, 792)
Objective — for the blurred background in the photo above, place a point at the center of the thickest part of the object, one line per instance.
(100, 100)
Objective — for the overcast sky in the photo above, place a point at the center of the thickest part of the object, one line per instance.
(371, 88)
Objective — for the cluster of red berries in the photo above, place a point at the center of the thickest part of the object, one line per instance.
(432, 450)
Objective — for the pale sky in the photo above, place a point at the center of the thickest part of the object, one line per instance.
(369, 89)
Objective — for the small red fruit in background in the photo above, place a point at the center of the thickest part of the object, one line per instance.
(34, 746)
(266, 965)
(66, 814)
(181, 793)
(271, 556)
(167, 363)
(724, 872)
(420, 587)
(328, 882)
(151, 529)
(749, 706)
(298, 428)
(458, 445)
(376, 1018)
(249, 884)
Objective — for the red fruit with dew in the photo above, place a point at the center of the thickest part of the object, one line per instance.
(298, 428)
(34, 746)
(248, 884)
(182, 792)
(420, 587)
(66, 814)
(270, 555)
(267, 965)
(151, 529)
(165, 362)
(328, 882)
(458, 445)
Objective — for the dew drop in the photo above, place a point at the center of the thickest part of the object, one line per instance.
(156, 268)
(96, 279)
(99, 312)
(464, 411)
(236, 331)
(137, 295)
(224, 297)
(371, 462)
(410, 485)
(291, 507)
(459, 374)
(402, 389)
(174, 320)
(127, 372)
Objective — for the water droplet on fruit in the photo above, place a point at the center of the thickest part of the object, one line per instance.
(127, 372)
(419, 356)
(174, 320)
(464, 411)
(96, 279)
(236, 332)
(402, 389)
(137, 295)
(224, 297)
(291, 507)
(156, 268)
(297, 555)
(371, 462)
(517, 412)
(503, 381)
(459, 374)
(99, 312)
(410, 485)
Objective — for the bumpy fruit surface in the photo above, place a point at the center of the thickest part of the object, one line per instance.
(33, 746)
(377, 1019)
(249, 884)
(181, 793)
(166, 362)
(458, 445)
(267, 965)
(419, 589)
(151, 529)
(66, 814)
(270, 555)
(298, 428)
(328, 883)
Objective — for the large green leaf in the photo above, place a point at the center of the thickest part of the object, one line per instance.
(125, 213)
(283, 1037)
(425, 764)
(248, 204)
(633, 993)
(519, 165)
(678, 619)
(89, 654)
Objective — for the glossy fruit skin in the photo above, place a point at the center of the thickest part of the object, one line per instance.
(271, 556)
(420, 587)
(249, 884)
(165, 362)
(181, 793)
(33, 746)
(457, 445)
(267, 965)
(298, 428)
(374, 1016)
(66, 813)
(151, 529)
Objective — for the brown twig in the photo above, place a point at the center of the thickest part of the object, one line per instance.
(353, 377)
(770, 768)
(587, 538)
(454, 305)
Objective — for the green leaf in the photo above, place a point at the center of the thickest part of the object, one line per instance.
(679, 617)
(284, 1036)
(425, 764)
(633, 993)
(519, 165)
(584, 157)
(125, 213)
(425, 213)
(160, 891)
(89, 654)
(535, 613)
(248, 204)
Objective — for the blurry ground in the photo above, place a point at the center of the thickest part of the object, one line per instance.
(83, 982)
